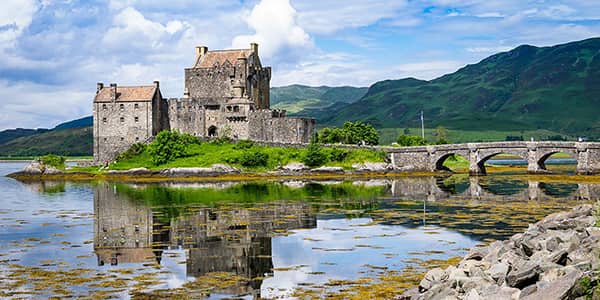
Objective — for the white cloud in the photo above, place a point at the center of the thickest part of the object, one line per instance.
(330, 16)
(15, 16)
(428, 70)
(276, 30)
(31, 105)
(488, 49)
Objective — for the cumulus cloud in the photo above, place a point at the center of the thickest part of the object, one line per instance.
(15, 16)
(276, 30)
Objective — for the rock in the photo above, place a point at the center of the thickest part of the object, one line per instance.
(326, 169)
(552, 243)
(412, 293)
(494, 292)
(294, 167)
(432, 277)
(477, 253)
(375, 167)
(580, 211)
(498, 272)
(559, 257)
(526, 274)
(557, 289)
(221, 168)
(187, 171)
(528, 290)
(52, 170)
(135, 171)
(34, 168)
(473, 295)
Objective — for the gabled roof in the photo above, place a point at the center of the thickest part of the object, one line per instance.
(127, 93)
(221, 56)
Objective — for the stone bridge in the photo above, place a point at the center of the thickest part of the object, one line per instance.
(431, 158)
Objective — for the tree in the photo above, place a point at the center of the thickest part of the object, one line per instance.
(411, 140)
(170, 145)
(314, 155)
(359, 132)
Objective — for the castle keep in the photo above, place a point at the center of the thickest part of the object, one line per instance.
(226, 94)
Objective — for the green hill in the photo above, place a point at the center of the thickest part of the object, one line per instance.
(529, 88)
(295, 98)
(71, 142)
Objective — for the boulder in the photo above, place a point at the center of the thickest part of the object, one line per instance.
(52, 170)
(294, 167)
(431, 278)
(558, 289)
(526, 274)
(221, 168)
(34, 168)
(326, 169)
(498, 272)
(375, 167)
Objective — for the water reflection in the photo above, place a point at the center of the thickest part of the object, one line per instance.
(280, 236)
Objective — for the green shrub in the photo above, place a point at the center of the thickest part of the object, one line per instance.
(314, 156)
(335, 154)
(133, 151)
(53, 160)
(411, 140)
(243, 144)
(253, 158)
(351, 133)
(170, 145)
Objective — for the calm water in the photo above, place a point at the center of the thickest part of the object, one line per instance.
(267, 239)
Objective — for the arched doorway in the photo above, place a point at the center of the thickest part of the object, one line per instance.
(212, 131)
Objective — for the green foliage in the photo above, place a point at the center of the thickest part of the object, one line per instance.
(254, 158)
(53, 160)
(411, 140)
(352, 133)
(514, 138)
(314, 155)
(243, 144)
(335, 154)
(441, 133)
(134, 150)
(170, 145)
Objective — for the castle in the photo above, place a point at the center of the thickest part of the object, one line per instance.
(226, 94)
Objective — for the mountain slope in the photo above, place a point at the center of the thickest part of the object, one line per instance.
(295, 98)
(71, 141)
(556, 88)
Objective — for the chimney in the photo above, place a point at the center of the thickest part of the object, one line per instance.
(254, 47)
(113, 91)
(201, 51)
(156, 84)
(99, 86)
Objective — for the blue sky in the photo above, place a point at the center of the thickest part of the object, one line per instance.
(52, 52)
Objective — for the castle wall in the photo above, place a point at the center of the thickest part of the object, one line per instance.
(118, 125)
(209, 83)
(187, 115)
(272, 126)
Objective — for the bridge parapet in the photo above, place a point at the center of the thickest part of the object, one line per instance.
(431, 158)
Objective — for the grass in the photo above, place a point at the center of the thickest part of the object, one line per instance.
(207, 153)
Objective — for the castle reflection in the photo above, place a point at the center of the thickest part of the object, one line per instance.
(236, 240)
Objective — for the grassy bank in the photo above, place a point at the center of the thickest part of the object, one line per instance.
(246, 156)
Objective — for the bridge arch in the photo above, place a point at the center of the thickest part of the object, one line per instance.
(544, 156)
(487, 154)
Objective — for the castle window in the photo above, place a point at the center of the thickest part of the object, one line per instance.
(137, 119)
(122, 119)
(105, 139)
(236, 109)
(136, 106)
(104, 120)
(122, 106)
(137, 138)
(103, 106)
(122, 139)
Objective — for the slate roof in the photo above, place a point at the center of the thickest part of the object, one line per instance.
(127, 94)
(220, 56)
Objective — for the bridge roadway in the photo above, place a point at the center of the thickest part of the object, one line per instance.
(431, 158)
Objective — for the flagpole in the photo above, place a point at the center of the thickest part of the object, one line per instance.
(422, 126)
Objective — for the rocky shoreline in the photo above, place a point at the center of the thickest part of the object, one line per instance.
(37, 170)
(556, 258)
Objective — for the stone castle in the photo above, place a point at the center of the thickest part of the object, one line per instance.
(226, 94)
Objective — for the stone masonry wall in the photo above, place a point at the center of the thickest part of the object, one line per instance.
(118, 125)
(209, 83)
(187, 115)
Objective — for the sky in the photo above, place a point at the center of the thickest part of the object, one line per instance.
(53, 52)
